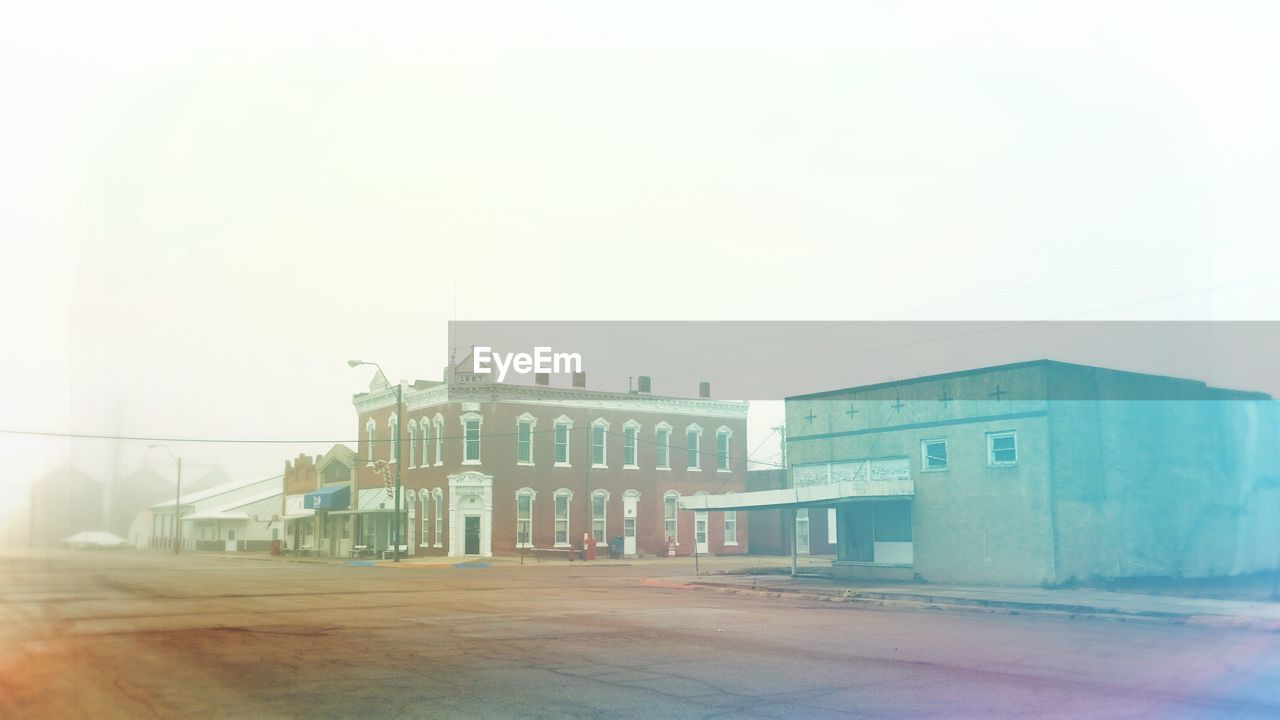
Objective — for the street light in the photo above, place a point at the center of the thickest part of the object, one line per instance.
(399, 533)
(177, 500)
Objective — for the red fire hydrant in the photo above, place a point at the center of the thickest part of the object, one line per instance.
(588, 547)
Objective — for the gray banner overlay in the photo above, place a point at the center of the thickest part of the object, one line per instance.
(773, 360)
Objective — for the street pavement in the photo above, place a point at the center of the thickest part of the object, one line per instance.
(141, 634)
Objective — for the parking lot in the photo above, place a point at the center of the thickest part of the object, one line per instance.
(144, 634)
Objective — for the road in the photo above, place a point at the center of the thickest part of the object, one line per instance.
(139, 634)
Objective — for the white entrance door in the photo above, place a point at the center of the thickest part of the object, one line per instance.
(700, 533)
(630, 499)
(231, 541)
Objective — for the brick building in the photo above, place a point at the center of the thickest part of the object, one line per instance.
(494, 468)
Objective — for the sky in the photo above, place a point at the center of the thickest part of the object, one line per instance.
(207, 210)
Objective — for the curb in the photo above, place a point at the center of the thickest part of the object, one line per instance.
(924, 601)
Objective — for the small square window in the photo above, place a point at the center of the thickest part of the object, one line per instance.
(933, 455)
(1002, 448)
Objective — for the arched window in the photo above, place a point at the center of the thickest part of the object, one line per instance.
(722, 448)
(693, 444)
(524, 517)
(425, 426)
(630, 433)
(471, 423)
(564, 498)
(394, 424)
(524, 438)
(599, 508)
(563, 425)
(413, 443)
(662, 446)
(438, 421)
(599, 446)
(438, 497)
(370, 431)
(670, 508)
(426, 518)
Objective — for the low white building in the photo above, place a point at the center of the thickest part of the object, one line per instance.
(234, 516)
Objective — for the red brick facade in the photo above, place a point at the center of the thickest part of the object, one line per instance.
(499, 408)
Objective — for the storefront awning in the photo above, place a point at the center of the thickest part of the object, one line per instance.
(374, 500)
(803, 497)
(333, 497)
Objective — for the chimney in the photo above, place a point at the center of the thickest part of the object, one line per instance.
(542, 378)
(704, 389)
(580, 380)
(646, 385)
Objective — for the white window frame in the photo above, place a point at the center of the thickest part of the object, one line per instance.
(437, 498)
(567, 424)
(532, 495)
(730, 527)
(631, 428)
(532, 422)
(567, 494)
(413, 443)
(438, 422)
(603, 540)
(425, 539)
(463, 420)
(662, 448)
(831, 527)
(371, 435)
(425, 424)
(802, 519)
(671, 525)
(393, 423)
(693, 450)
(602, 426)
(924, 455)
(727, 434)
(991, 455)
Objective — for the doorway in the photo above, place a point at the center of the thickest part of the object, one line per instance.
(230, 545)
(700, 544)
(472, 534)
(629, 501)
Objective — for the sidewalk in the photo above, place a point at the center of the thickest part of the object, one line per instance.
(1076, 602)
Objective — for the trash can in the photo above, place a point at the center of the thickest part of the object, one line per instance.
(275, 547)
(615, 547)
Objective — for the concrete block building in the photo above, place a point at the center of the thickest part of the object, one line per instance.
(1038, 472)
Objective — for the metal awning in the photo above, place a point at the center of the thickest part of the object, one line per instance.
(208, 516)
(373, 500)
(333, 497)
(803, 497)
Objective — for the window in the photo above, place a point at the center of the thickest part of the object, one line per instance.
(563, 498)
(730, 527)
(436, 498)
(394, 424)
(524, 439)
(599, 505)
(599, 430)
(722, 449)
(471, 438)
(524, 517)
(413, 442)
(670, 506)
(630, 432)
(933, 455)
(439, 423)
(563, 426)
(426, 446)
(370, 436)
(693, 442)
(426, 518)
(1002, 448)
(662, 446)
(802, 531)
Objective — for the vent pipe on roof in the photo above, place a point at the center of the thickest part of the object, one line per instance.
(646, 385)
(542, 378)
(704, 389)
(580, 380)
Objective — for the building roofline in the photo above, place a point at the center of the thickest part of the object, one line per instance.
(1042, 362)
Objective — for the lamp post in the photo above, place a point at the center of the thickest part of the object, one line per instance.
(399, 533)
(177, 500)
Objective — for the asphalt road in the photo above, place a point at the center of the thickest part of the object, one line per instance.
(138, 635)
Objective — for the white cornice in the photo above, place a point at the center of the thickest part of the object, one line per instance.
(444, 394)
